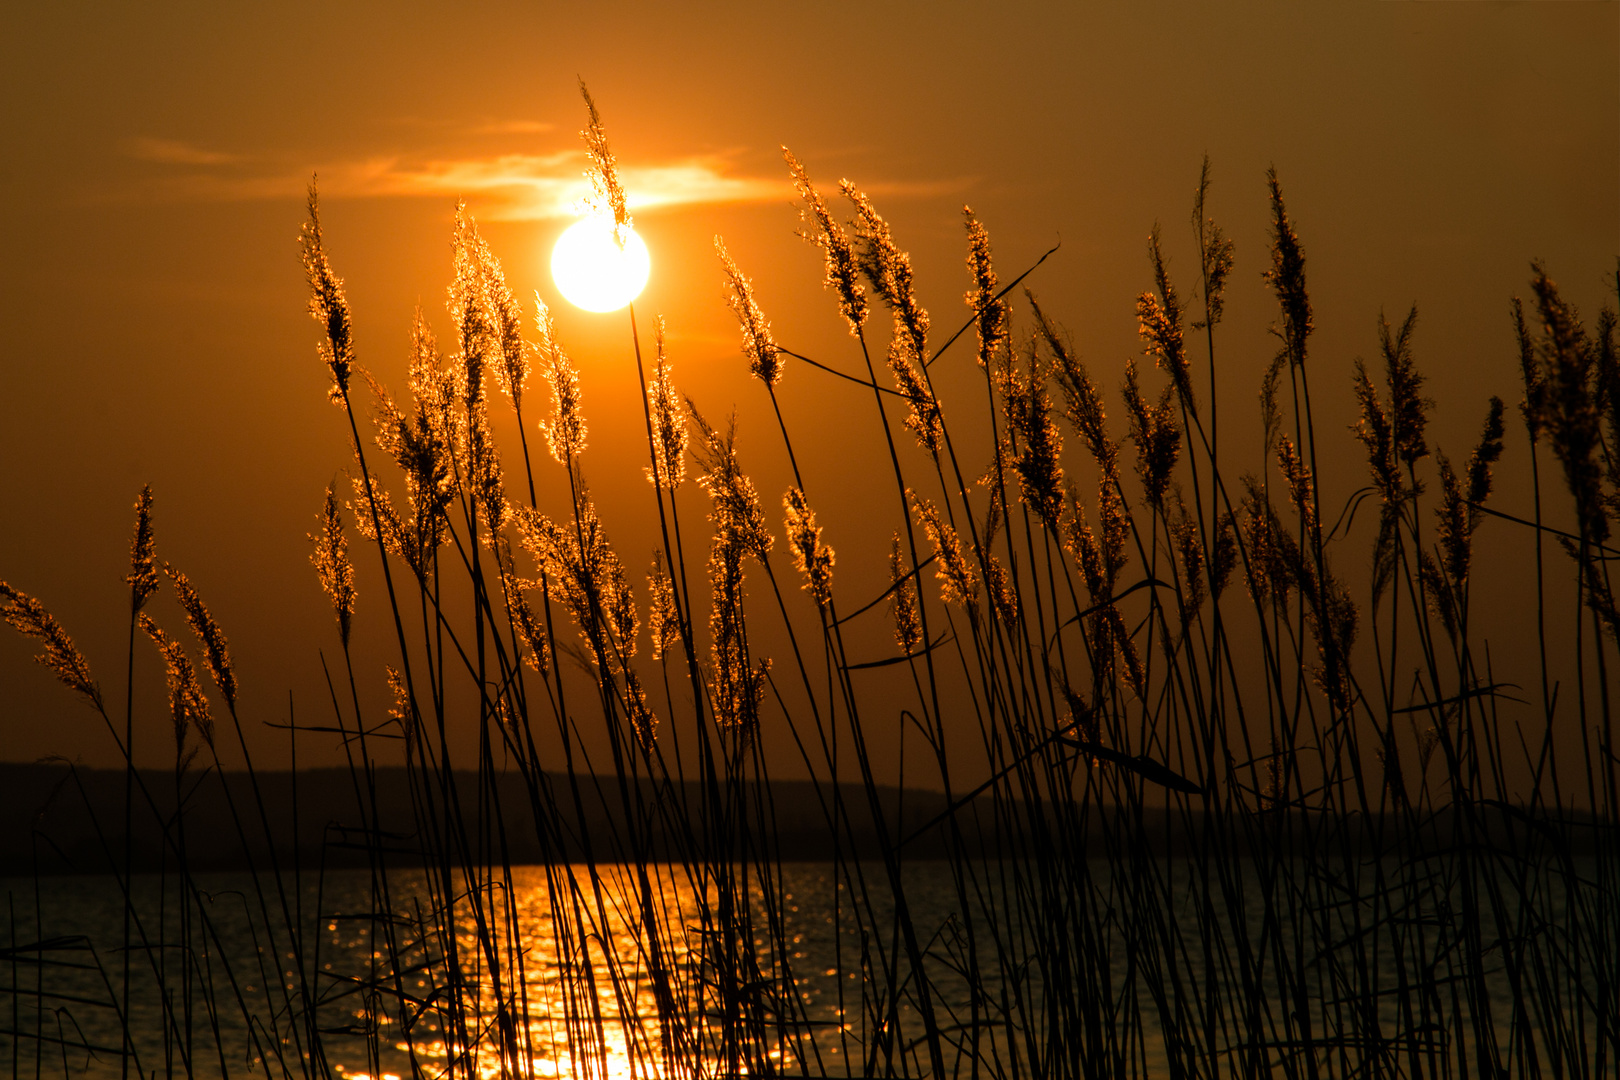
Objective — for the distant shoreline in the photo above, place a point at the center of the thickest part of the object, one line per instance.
(76, 823)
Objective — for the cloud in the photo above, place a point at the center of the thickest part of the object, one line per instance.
(174, 152)
(513, 187)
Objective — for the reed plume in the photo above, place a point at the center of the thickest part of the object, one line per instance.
(1189, 546)
(670, 437)
(530, 632)
(607, 194)
(1037, 444)
(1216, 252)
(958, 580)
(421, 444)
(643, 721)
(1083, 401)
(188, 706)
(1224, 558)
(386, 524)
(736, 511)
(1154, 432)
(829, 236)
(1268, 575)
(1158, 321)
(812, 558)
(991, 314)
(327, 305)
(483, 327)
(216, 652)
(1569, 408)
(1459, 515)
(1535, 386)
(1001, 589)
(29, 617)
(1376, 430)
(764, 358)
(738, 683)
(1287, 277)
(903, 601)
(400, 708)
(1099, 559)
(565, 430)
(924, 418)
(331, 560)
(590, 578)
(663, 620)
(888, 269)
(143, 576)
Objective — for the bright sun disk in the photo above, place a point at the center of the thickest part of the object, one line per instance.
(593, 270)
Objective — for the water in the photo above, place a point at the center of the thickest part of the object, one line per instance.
(1144, 964)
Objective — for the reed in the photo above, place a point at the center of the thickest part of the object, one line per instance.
(1248, 812)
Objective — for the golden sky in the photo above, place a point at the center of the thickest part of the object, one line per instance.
(156, 156)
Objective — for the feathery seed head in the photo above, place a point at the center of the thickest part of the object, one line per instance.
(1458, 516)
(643, 721)
(376, 519)
(482, 285)
(521, 615)
(1083, 401)
(813, 558)
(958, 580)
(327, 305)
(1287, 277)
(764, 358)
(1376, 432)
(590, 579)
(1216, 254)
(903, 602)
(669, 423)
(1153, 429)
(1569, 410)
(991, 315)
(924, 418)
(842, 271)
(1451, 525)
(331, 559)
(607, 194)
(1158, 321)
(143, 577)
(188, 706)
(1486, 454)
(1003, 591)
(1225, 555)
(736, 513)
(216, 652)
(565, 431)
(1039, 446)
(401, 710)
(663, 619)
(29, 617)
(1535, 387)
(1301, 486)
(1408, 409)
(888, 269)
(738, 683)
(1184, 533)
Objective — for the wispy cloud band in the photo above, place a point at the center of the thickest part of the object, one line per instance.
(519, 187)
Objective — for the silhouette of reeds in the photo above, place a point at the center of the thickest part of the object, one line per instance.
(1296, 829)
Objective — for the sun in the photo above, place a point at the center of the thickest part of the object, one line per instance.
(595, 271)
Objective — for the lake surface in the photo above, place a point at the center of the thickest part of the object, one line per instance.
(558, 974)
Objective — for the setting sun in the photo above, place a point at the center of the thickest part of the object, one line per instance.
(593, 270)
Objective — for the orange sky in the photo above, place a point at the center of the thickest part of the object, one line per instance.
(153, 303)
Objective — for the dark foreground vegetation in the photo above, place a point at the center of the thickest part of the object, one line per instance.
(1251, 811)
